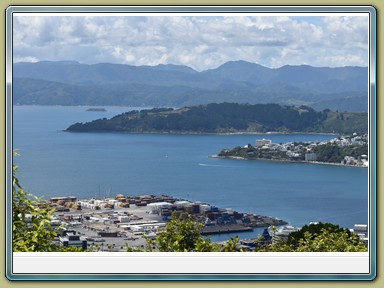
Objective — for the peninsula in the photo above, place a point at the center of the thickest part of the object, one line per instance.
(349, 150)
(229, 118)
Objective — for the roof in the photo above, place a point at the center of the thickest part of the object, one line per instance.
(159, 204)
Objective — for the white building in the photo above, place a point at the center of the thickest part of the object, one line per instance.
(310, 156)
(205, 207)
(262, 142)
(123, 219)
(155, 208)
(362, 231)
(72, 240)
(182, 203)
(282, 233)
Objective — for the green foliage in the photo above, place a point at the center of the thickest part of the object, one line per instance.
(345, 123)
(325, 237)
(232, 245)
(321, 237)
(31, 231)
(70, 249)
(213, 118)
(334, 154)
(226, 117)
(313, 229)
(327, 241)
(185, 236)
(181, 236)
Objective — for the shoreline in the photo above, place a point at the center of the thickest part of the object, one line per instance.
(201, 133)
(286, 161)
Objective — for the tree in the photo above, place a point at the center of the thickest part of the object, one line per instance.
(326, 241)
(185, 236)
(180, 236)
(31, 230)
(321, 237)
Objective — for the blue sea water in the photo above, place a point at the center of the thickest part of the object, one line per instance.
(58, 163)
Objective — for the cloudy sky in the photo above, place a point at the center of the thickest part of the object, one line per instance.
(196, 41)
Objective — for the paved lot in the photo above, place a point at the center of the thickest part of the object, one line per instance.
(118, 244)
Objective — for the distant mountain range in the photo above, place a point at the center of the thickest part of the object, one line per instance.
(72, 83)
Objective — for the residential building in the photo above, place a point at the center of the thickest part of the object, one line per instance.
(70, 239)
(262, 142)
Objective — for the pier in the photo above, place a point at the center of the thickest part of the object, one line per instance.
(208, 230)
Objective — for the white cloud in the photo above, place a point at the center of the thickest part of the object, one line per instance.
(26, 59)
(199, 42)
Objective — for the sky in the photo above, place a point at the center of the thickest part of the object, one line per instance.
(199, 42)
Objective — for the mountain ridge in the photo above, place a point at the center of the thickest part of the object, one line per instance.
(237, 81)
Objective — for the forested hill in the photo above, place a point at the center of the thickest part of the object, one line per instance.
(73, 83)
(229, 118)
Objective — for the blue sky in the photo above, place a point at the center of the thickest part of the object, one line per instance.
(318, 21)
(199, 42)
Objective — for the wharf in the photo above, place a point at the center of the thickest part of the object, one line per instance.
(113, 223)
(219, 229)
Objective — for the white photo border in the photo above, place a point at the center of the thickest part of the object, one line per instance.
(17, 263)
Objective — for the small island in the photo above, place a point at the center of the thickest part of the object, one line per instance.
(349, 150)
(96, 110)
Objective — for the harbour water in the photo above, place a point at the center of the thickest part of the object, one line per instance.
(57, 163)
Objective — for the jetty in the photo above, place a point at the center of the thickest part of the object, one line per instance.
(218, 229)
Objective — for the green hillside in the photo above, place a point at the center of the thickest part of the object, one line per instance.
(229, 118)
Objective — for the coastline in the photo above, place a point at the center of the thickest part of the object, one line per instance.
(286, 161)
(202, 133)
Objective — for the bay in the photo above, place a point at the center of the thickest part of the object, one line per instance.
(58, 163)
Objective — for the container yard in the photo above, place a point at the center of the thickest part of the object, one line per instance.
(109, 224)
